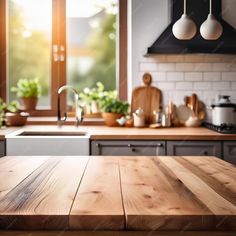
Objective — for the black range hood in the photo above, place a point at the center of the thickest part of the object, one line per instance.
(198, 10)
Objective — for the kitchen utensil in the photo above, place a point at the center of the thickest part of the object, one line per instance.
(165, 120)
(183, 112)
(139, 118)
(193, 121)
(148, 98)
(154, 126)
(224, 112)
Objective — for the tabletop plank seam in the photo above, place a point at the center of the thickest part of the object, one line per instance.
(77, 190)
(122, 197)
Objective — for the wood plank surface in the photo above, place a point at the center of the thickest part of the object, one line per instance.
(154, 199)
(15, 169)
(43, 200)
(175, 194)
(98, 203)
(223, 209)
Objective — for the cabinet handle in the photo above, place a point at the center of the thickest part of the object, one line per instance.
(97, 144)
(205, 153)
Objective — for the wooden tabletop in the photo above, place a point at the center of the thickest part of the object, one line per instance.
(122, 133)
(117, 193)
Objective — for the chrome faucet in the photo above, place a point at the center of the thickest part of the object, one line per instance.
(78, 109)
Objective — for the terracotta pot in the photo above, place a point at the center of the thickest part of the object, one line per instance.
(110, 118)
(16, 119)
(29, 103)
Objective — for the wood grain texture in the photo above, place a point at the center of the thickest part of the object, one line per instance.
(43, 200)
(223, 210)
(175, 194)
(13, 170)
(98, 203)
(156, 200)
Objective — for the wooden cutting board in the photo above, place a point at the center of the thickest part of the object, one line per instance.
(146, 97)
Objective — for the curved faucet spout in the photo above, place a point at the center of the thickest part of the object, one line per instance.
(78, 110)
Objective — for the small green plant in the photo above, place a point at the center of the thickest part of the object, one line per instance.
(95, 94)
(27, 88)
(13, 106)
(114, 105)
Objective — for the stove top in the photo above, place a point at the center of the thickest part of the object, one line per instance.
(224, 128)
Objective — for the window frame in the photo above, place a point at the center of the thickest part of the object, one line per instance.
(58, 69)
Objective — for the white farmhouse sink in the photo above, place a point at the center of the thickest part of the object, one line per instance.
(47, 143)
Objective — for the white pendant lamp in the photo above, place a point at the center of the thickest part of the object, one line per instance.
(184, 28)
(211, 29)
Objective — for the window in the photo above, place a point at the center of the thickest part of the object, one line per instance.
(75, 42)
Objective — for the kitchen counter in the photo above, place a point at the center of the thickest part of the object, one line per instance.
(112, 193)
(121, 133)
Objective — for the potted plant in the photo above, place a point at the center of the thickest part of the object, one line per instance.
(91, 98)
(28, 90)
(113, 109)
(10, 114)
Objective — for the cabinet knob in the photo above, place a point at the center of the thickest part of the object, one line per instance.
(97, 144)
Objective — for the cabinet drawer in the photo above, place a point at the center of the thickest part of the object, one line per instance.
(2, 148)
(128, 148)
(194, 148)
(230, 152)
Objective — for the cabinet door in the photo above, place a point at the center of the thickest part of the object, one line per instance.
(2, 148)
(194, 148)
(128, 148)
(230, 152)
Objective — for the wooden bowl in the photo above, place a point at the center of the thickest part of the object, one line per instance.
(110, 118)
(16, 119)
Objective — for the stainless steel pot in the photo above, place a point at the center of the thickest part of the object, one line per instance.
(224, 112)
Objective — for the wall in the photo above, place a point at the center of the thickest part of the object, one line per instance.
(177, 75)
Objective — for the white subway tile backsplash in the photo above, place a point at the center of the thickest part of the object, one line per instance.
(148, 67)
(184, 85)
(158, 76)
(184, 67)
(193, 76)
(165, 86)
(203, 67)
(198, 67)
(221, 67)
(202, 86)
(229, 76)
(152, 67)
(221, 86)
(234, 86)
(179, 79)
(175, 76)
(211, 76)
(166, 67)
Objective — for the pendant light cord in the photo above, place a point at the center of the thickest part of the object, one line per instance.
(185, 7)
(210, 2)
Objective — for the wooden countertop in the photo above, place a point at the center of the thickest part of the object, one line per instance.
(120, 133)
(123, 193)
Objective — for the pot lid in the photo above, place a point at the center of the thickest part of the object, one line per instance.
(229, 105)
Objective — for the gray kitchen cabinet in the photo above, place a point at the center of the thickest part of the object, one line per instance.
(194, 148)
(128, 148)
(2, 148)
(230, 151)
